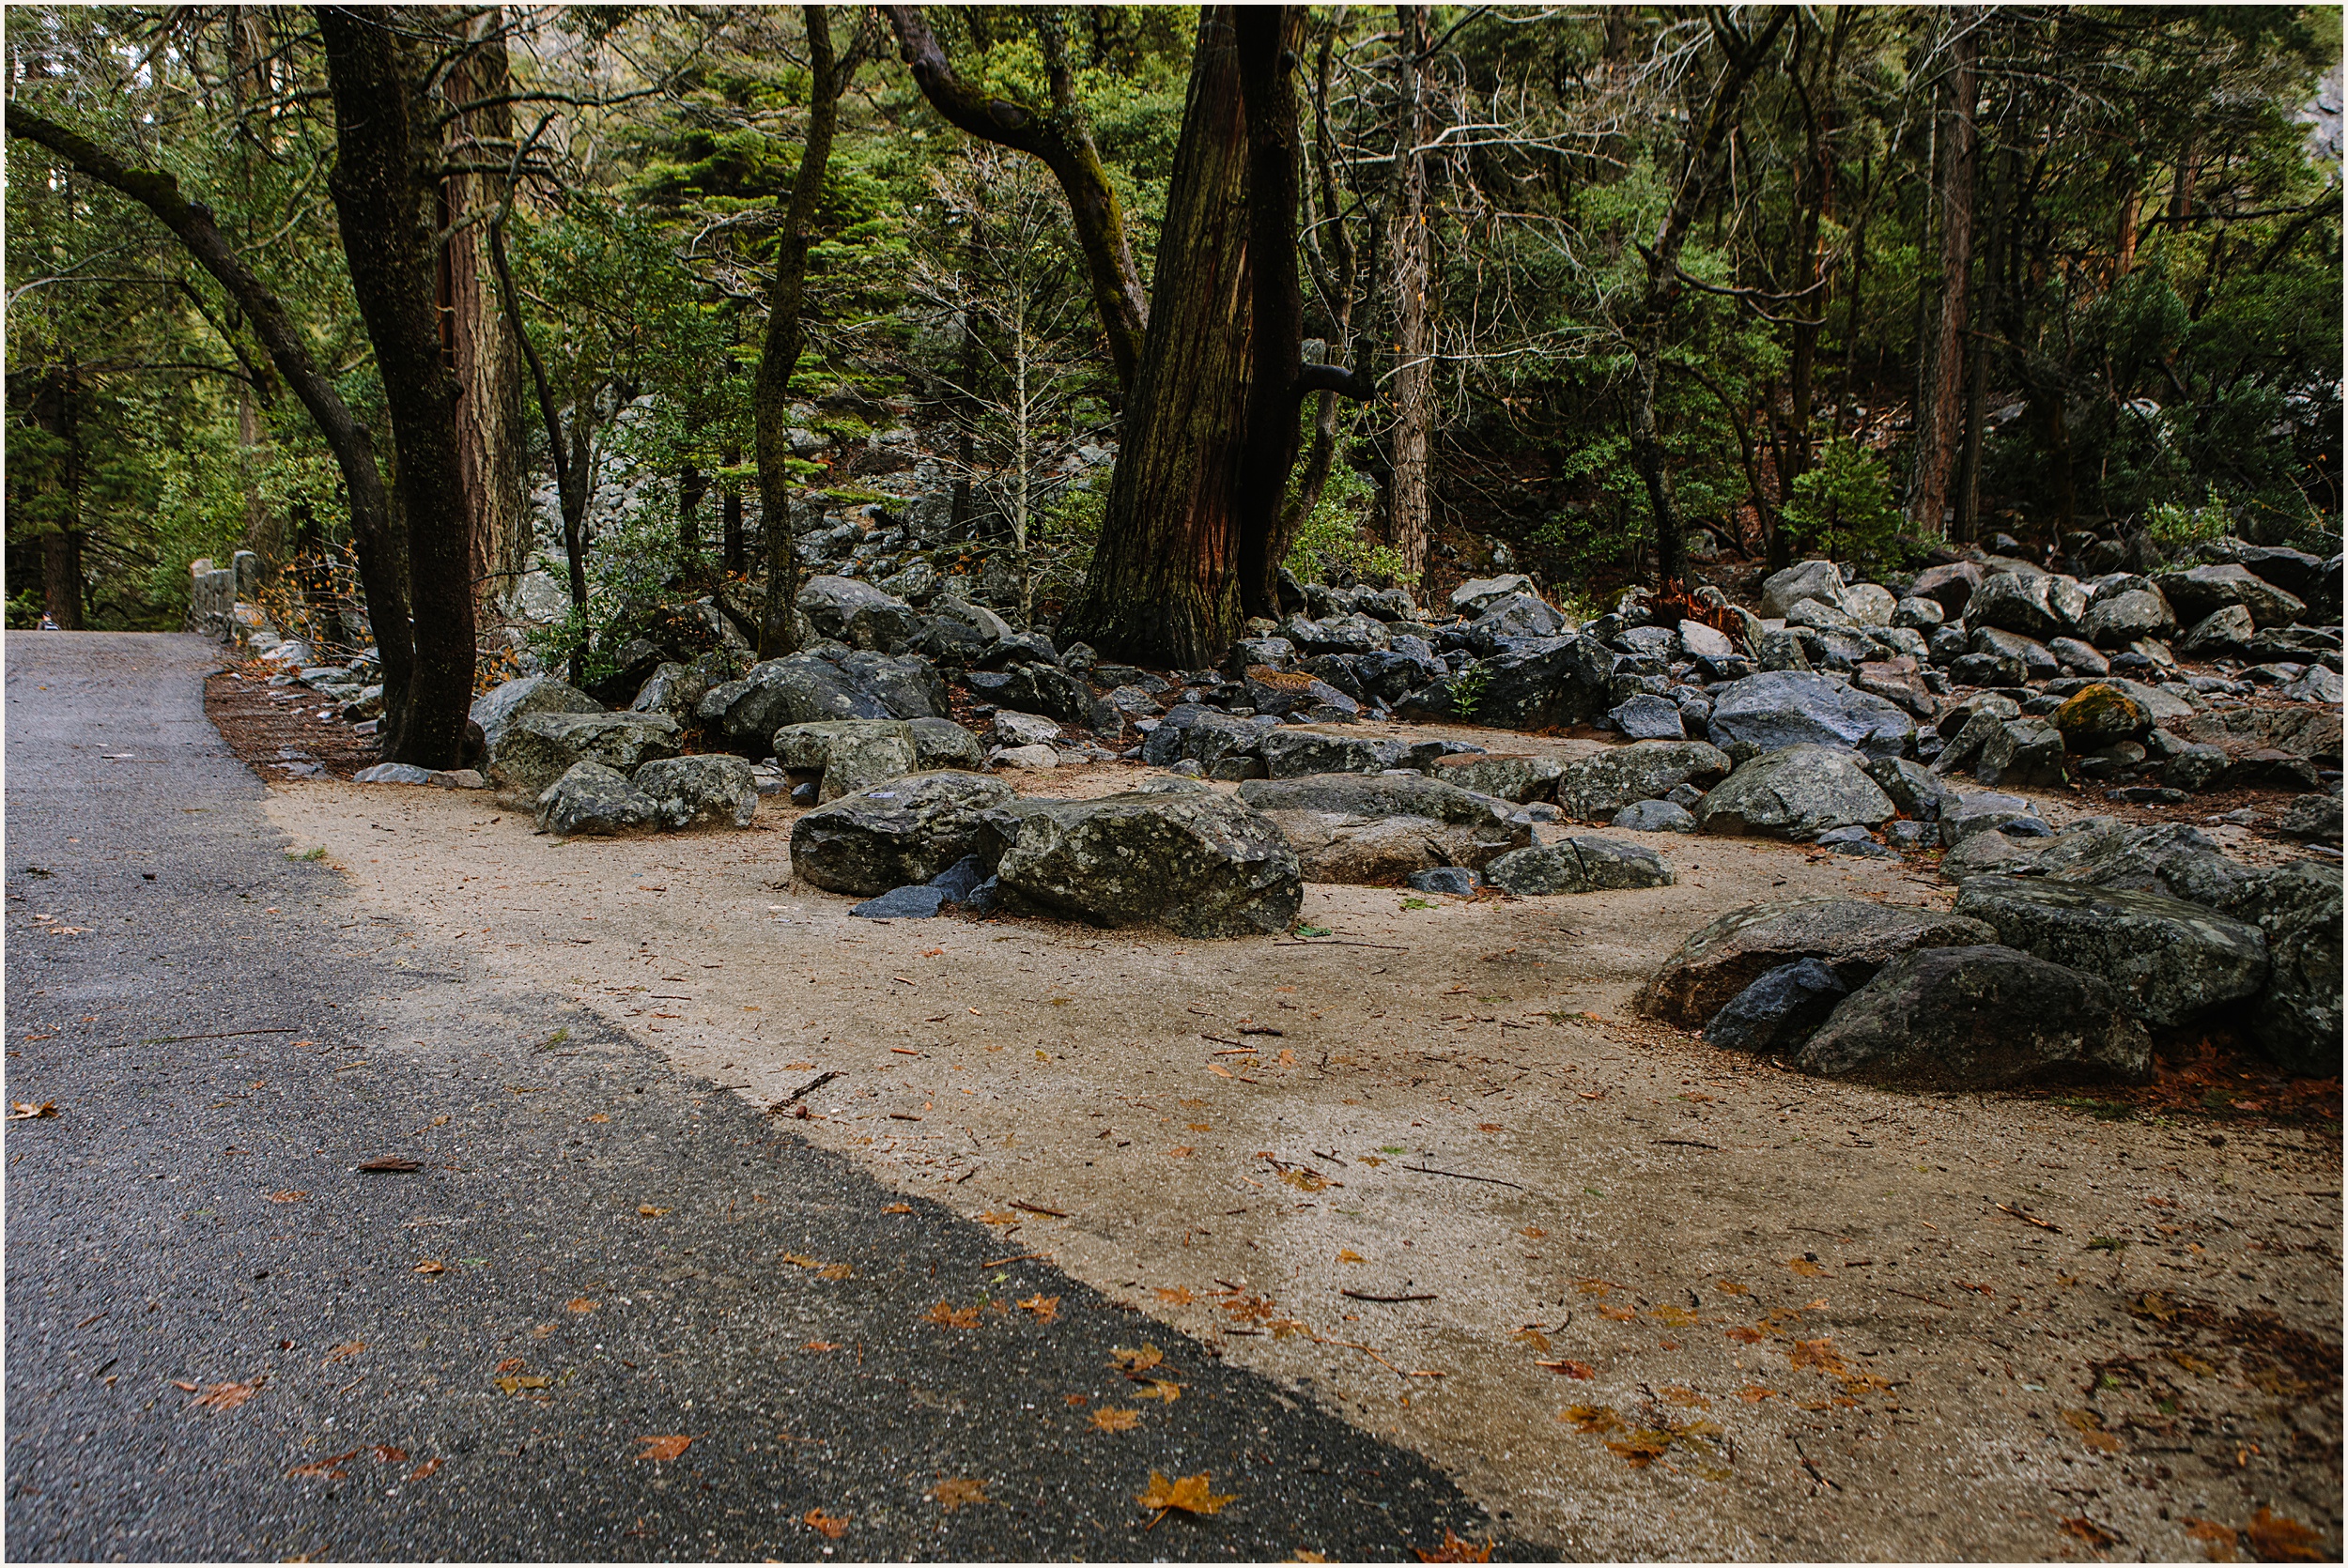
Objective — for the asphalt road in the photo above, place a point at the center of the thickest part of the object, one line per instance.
(223, 1340)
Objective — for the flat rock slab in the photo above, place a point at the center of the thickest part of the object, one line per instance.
(1781, 708)
(1331, 846)
(1799, 793)
(1201, 864)
(1581, 864)
(1980, 1018)
(1851, 936)
(2168, 961)
(1606, 781)
(905, 831)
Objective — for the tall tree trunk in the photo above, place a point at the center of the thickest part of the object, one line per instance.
(1939, 409)
(1057, 136)
(770, 394)
(691, 485)
(385, 197)
(1330, 251)
(1813, 190)
(1977, 369)
(1163, 584)
(52, 410)
(729, 519)
(1414, 349)
(375, 528)
(1743, 55)
(491, 446)
(1267, 39)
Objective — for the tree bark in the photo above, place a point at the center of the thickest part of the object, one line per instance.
(491, 448)
(61, 545)
(373, 528)
(1939, 409)
(770, 393)
(1814, 190)
(1061, 139)
(384, 188)
(1163, 584)
(1267, 39)
(1333, 261)
(1414, 368)
(572, 458)
(1742, 57)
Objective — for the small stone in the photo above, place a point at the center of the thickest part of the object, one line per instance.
(919, 902)
(1654, 816)
(393, 773)
(1647, 717)
(1031, 758)
(1456, 880)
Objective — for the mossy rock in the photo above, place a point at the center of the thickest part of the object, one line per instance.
(2098, 716)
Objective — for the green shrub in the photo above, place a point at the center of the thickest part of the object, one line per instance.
(1842, 505)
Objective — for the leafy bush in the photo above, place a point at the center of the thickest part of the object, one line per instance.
(1332, 547)
(1843, 506)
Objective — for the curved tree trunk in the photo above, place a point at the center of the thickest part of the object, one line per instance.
(385, 197)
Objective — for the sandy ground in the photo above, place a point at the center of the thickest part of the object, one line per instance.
(1644, 1298)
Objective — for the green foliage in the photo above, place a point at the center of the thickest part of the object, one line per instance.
(1842, 504)
(1467, 688)
(2174, 523)
(1332, 545)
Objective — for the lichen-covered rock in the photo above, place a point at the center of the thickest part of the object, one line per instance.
(541, 748)
(1654, 816)
(713, 787)
(906, 830)
(2097, 715)
(1782, 708)
(1913, 788)
(1201, 864)
(2198, 591)
(1377, 851)
(1499, 774)
(591, 798)
(859, 614)
(2037, 607)
(1797, 792)
(1298, 753)
(1558, 681)
(2117, 619)
(498, 710)
(1850, 936)
(1606, 781)
(2227, 629)
(1584, 863)
(2167, 959)
(1979, 1018)
(940, 743)
(2297, 1018)
(799, 688)
(1368, 795)
(1781, 591)
(2024, 750)
(2173, 859)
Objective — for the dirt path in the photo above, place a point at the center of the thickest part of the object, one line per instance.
(1645, 1300)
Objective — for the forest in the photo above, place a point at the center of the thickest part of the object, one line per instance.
(498, 333)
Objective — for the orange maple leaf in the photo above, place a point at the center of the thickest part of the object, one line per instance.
(330, 1468)
(951, 1495)
(832, 1526)
(226, 1396)
(2279, 1539)
(1454, 1549)
(1114, 1418)
(1045, 1308)
(1190, 1494)
(664, 1449)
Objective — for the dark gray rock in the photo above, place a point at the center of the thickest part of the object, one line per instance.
(1510, 617)
(1372, 829)
(1803, 580)
(1298, 753)
(1499, 774)
(1471, 598)
(1604, 782)
(1951, 587)
(1797, 792)
(1777, 708)
(908, 830)
(1851, 936)
(2227, 629)
(1562, 681)
(919, 902)
(1645, 718)
(541, 748)
(1456, 880)
(940, 743)
(1201, 864)
(1654, 816)
(2173, 859)
(591, 798)
(1375, 795)
(1779, 1011)
(959, 882)
(2036, 608)
(2078, 657)
(2198, 591)
(2169, 961)
(805, 687)
(2314, 818)
(2297, 1019)
(713, 787)
(2011, 651)
(1195, 735)
(1982, 1017)
(503, 707)
(1913, 789)
(1035, 688)
(1579, 864)
(1980, 853)
(2192, 767)
(859, 614)
(2120, 619)
(2021, 751)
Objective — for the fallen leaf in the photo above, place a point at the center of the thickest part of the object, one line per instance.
(511, 1364)
(1592, 1287)
(951, 1495)
(289, 1196)
(599, 1117)
(430, 1266)
(2091, 1427)
(1490, 1126)
(1455, 1550)
(2280, 1540)
(1304, 1556)
(835, 1271)
(1619, 1314)
(579, 1303)
(946, 1315)
(226, 1396)
(388, 1163)
(1818, 1353)
(802, 1260)
(515, 1385)
(1805, 1266)
(1747, 1336)
(1114, 1418)
(830, 1526)
(1132, 1361)
(1347, 1254)
(1045, 1308)
(999, 1217)
(1306, 1182)
(330, 1468)
(344, 1352)
(898, 1209)
(1533, 1337)
(1579, 1371)
(1534, 1231)
(423, 1470)
(649, 1213)
(664, 1449)
(2089, 1531)
(1688, 1398)
(24, 1110)
(1642, 1448)
(1199, 1126)
(1678, 1317)
(1190, 1494)
(2217, 1541)
(1730, 1287)
(1592, 1418)
(1176, 1296)
(1179, 1151)
(386, 1454)
(178, 1384)
(819, 1344)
